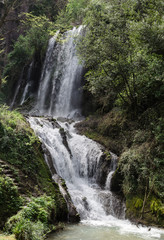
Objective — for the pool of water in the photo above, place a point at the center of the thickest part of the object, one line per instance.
(94, 231)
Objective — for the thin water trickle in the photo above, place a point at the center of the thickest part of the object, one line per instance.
(28, 85)
(17, 89)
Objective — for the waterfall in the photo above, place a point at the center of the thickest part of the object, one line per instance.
(46, 75)
(75, 158)
(77, 161)
(61, 75)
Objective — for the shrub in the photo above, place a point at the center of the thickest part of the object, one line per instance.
(20, 147)
(35, 220)
(10, 201)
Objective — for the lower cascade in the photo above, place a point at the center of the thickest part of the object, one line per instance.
(77, 161)
(75, 158)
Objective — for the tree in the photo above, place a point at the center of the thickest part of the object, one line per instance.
(77, 9)
(121, 54)
(6, 7)
(29, 47)
(50, 8)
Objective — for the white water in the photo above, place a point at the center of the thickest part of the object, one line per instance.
(79, 170)
(77, 162)
(46, 74)
(94, 232)
(60, 75)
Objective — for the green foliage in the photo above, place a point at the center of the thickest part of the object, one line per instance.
(10, 201)
(35, 220)
(123, 50)
(31, 45)
(157, 208)
(76, 9)
(40, 209)
(138, 204)
(73, 13)
(141, 171)
(158, 130)
(49, 8)
(20, 147)
(27, 230)
(134, 204)
(38, 31)
(154, 209)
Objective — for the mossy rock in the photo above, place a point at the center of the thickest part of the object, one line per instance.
(116, 182)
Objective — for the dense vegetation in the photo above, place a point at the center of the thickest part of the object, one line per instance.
(123, 49)
(123, 52)
(25, 177)
(10, 201)
(35, 220)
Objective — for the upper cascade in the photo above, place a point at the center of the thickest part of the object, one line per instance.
(60, 89)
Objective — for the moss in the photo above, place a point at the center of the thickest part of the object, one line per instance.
(153, 211)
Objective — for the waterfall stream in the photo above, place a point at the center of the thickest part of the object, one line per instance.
(76, 158)
(60, 85)
(77, 161)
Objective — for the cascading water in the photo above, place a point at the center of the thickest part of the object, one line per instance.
(77, 163)
(75, 158)
(60, 76)
(78, 160)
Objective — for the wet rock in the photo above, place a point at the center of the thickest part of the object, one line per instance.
(86, 205)
(116, 182)
(63, 120)
(48, 159)
(64, 138)
(103, 170)
(73, 215)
